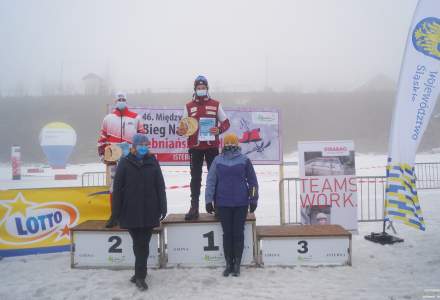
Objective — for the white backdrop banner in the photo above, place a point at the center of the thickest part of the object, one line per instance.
(258, 131)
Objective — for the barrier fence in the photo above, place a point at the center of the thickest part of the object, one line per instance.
(370, 197)
(427, 175)
(370, 194)
(93, 179)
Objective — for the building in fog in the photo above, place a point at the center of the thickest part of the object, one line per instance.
(94, 85)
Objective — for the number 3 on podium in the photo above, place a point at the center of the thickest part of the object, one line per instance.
(303, 248)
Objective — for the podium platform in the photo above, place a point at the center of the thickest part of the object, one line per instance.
(290, 245)
(200, 242)
(94, 246)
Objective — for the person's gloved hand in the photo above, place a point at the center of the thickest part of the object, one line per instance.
(101, 149)
(215, 130)
(209, 208)
(252, 207)
(253, 194)
(112, 222)
(163, 215)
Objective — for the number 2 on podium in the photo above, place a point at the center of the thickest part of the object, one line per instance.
(114, 248)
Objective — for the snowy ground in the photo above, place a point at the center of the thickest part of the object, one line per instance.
(410, 270)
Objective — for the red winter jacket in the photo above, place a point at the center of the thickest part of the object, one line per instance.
(206, 108)
(118, 127)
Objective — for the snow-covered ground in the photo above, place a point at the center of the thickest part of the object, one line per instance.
(409, 270)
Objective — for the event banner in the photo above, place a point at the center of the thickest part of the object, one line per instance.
(417, 94)
(258, 131)
(328, 187)
(39, 220)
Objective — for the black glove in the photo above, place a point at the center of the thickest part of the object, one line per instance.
(252, 207)
(209, 208)
(163, 215)
(112, 222)
(253, 193)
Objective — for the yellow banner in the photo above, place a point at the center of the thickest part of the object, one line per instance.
(39, 220)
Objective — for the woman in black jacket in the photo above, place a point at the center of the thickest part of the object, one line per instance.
(139, 201)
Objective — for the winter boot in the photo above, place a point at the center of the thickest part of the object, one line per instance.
(141, 284)
(133, 278)
(193, 213)
(236, 267)
(229, 266)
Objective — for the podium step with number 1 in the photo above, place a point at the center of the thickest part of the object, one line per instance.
(200, 242)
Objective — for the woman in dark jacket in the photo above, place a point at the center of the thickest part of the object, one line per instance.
(139, 201)
(232, 185)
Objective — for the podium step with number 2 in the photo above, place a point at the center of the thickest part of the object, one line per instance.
(94, 246)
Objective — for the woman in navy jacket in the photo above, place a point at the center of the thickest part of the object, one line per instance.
(232, 185)
(139, 202)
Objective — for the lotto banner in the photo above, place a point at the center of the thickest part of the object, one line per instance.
(328, 187)
(417, 94)
(39, 220)
(258, 131)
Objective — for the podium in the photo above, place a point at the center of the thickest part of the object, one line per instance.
(291, 245)
(94, 246)
(200, 242)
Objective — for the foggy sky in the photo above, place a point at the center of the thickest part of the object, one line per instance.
(307, 45)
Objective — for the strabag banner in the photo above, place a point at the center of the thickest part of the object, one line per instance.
(328, 186)
(258, 131)
(39, 220)
(417, 94)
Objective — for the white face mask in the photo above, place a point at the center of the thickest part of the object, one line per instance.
(201, 93)
(121, 105)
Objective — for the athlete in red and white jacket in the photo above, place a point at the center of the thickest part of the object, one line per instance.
(202, 106)
(120, 125)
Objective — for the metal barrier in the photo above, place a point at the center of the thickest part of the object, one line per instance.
(370, 199)
(93, 179)
(370, 196)
(428, 175)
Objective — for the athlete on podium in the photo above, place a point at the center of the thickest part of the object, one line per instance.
(139, 201)
(117, 130)
(232, 185)
(203, 143)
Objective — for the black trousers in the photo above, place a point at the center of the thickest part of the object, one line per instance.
(233, 220)
(141, 241)
(196, 157)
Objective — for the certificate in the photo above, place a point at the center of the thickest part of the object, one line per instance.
(205, 124)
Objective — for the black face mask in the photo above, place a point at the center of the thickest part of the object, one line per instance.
(230, 148)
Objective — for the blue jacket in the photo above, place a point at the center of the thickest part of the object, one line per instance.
(231, 180)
